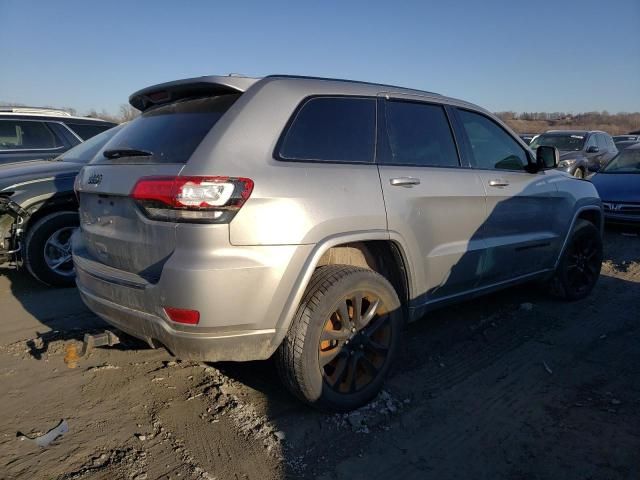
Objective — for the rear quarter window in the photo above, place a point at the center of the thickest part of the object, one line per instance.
(331, 129)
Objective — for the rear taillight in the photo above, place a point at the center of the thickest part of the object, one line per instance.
(192, 199)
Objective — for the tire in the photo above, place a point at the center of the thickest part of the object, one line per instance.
(368, 352)
(40, 254)
(579, 173)
(579, 267)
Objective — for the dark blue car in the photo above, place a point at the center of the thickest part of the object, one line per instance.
(618, 184)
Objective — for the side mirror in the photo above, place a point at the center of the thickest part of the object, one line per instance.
(547, 157)
(593, 149)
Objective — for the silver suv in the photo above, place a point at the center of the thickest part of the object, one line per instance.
(310, 218)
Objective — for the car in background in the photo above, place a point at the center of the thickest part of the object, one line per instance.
(39, 211)
(618, 184)
(581, 151)
(528, 137)
(38, 133)
(626, 138)
(622, 145)
(624, 141)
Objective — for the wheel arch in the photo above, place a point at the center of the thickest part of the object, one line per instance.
(58, 203)
(374, 250)
(591, 213)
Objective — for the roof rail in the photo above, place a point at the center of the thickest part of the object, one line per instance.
(362, 82)
(36, 111)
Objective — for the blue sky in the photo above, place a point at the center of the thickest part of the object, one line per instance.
(543, 55)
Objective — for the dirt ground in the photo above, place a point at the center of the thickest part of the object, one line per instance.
(515, 385)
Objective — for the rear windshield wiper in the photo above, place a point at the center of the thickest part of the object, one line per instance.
(126, 152)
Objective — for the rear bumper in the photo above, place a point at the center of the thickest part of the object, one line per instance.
(240, 292)
(156, 331)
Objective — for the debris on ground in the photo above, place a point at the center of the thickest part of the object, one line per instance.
(104, 366)
(45, 440)
(133, 461)
(71, 356)
(371, 415)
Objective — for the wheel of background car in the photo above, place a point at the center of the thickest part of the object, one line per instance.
(47, 252)
(578, 173)
(579, 267)
(343, 338)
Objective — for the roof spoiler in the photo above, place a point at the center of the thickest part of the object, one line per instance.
(188, 88)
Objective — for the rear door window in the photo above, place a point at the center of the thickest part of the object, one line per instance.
(419, 134)
(86, 131)
(27, 135)
(331, 129)
(170, 133)
(492, 147)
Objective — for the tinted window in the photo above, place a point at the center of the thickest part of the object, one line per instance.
(86, 131)
(602, 142)
(419, 134)
(491, 146)
(337, 129)
(26, 135)
(87, 150)
(562, 141)
(170, 132)
(591, 142)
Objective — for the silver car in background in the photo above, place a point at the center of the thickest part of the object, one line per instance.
(309, 218)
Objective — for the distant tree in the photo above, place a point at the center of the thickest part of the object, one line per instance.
(128, 113)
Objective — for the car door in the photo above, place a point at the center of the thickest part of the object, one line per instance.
(518, 229)
(23, 139)
(433, 204)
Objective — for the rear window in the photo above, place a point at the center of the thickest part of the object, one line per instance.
(86, 131)
(171, 133)
(27, 135)
(332, 129)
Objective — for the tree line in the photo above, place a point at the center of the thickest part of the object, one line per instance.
(537, 122)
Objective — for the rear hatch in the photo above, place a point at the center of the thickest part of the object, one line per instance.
(116, 231)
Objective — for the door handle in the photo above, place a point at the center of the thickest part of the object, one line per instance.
(404, 181)
(498, 182)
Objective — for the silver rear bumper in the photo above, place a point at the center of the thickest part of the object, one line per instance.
(202, 346)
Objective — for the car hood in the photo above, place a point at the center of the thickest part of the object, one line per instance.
(618, 187)
(12, 174)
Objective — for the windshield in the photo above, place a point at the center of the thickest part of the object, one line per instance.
(86, 150)
(566, 142)
(628, 161)
(168, 133)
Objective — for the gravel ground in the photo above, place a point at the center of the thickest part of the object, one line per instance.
(514, 385)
